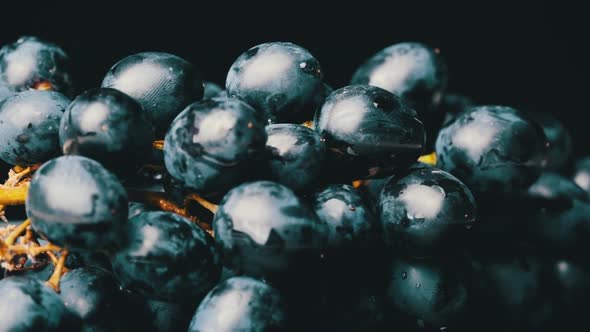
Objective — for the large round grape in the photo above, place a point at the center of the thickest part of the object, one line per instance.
(96, 297)
(514, 288)
(561, 147)
(282, 80)
(29, 126)
(164, 84)
(426, 211)
(492, 149)
(240, 304)
(214, 144)
(560, 220)
(28, 305)
(296, 155)
(433, 293)
(31, 63)
(412, 71)
(369, 132)
(107, 126)
(168, 258)
(350, 223)
(264, 229)
(75, 202)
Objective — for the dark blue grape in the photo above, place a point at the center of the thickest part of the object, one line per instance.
(29, 126)
(510, 292)
(571, 288)
(109, 127)
(77, 203)
(369, 132)
(296, 155)
(263, 229)
(29, 62)
(168, 259)
(581, 174)
(554, 186)
(95, 296)
(492, 149)
(162, 83)
(240, 304)
(353, 234)
(282, 80)
(414, 72)
(214, 145)
(434, 294)
(350, 224)
(426, 211)
(561, 149)
(560, 222)
(29, 306)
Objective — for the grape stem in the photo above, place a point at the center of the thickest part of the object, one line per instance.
(158, 144)
(13, 195)
(205, 203)
(159, 200)
(428, 159)
(14, 190)
(308, 124)
(16, 232)
(55, 278)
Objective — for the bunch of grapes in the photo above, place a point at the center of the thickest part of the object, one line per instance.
(162, 202)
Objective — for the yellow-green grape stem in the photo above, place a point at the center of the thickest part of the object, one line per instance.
(11, 239)
(13, 195)
(206, 204)
(158, 145)
(53, 281)
(308, 124)
(428, 159)
(158, 200)
(43, 86)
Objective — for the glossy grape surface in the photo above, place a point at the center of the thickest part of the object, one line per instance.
(164, 84)
(107, 126)
(492, 149)
(369, 132)
(77, 203)
(214, 145)
(29, 126)
(281, 80)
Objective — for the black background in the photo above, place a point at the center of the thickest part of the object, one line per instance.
(529, 55)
